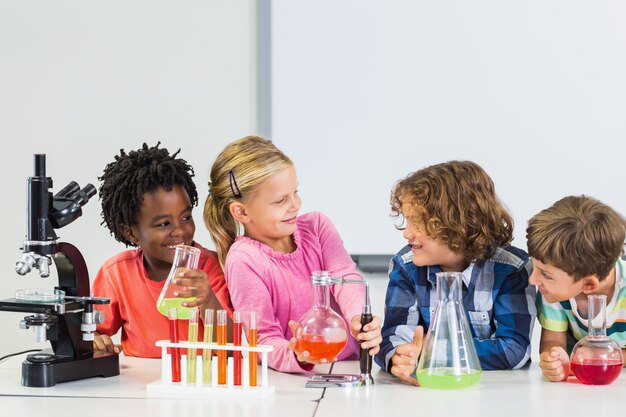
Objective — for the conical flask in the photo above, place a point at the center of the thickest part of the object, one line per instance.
(449, 358)
(321, 331)
(596, 359)
(185, 257)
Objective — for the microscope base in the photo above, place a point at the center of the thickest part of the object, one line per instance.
(45, 369)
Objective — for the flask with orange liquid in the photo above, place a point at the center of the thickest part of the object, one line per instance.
(321, 331)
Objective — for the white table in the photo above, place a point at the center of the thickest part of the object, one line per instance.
(126, 394)
(500, 393)
(522, 392)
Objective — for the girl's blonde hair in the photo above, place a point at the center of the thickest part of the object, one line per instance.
(238, 170)
(456, 203)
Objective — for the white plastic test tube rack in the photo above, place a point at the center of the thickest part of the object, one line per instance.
(198, 389)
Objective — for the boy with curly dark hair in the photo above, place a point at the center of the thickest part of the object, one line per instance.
(454, 222)
(147, 198)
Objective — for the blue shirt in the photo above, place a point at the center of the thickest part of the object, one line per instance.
(499, 302)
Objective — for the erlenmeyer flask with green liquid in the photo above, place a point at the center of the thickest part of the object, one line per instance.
(449, 359)
(185, 257)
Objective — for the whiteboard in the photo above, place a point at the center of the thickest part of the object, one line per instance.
(365, 92)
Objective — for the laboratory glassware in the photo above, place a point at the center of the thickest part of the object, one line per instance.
(449, 358)
(321, 331)
(596, 359)
(184, 257)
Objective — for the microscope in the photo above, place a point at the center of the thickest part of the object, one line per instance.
(65, 316)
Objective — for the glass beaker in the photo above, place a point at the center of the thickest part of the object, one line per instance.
(185, 257)
(449, 358)
(321, 331)
(596, 359)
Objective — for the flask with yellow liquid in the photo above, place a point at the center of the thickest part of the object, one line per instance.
(186, 257)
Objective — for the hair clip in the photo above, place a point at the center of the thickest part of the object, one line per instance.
(210, 184)
(233, 184)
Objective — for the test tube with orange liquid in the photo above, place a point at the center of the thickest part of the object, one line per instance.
(237, 328)
(221, 340)
(252, 341)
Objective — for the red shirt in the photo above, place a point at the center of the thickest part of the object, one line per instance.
(123, 279)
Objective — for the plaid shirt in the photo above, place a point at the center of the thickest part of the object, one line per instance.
(499, 302)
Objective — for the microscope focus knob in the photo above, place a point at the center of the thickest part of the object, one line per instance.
(98, 317)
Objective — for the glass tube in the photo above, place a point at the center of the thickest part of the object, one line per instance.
(237, 328)
(206, 353)
(192, 337)
(221, 340)
(172, 315)
(252, 341)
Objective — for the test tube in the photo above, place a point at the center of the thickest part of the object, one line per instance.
(172, 315)
(192, 337)
(206, 353)
(252, 341)
(221, 353)
(237, 328)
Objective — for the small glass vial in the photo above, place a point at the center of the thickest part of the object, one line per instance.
(321, 331)
(184, 257)
(596, 359)
(449, 359)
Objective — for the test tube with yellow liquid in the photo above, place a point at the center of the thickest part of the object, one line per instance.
(206, 353)
(252, 341)
(221, 353)
(192, 337)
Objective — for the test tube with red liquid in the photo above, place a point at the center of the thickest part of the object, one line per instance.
(172, 315)
(237, 328)
(221, 340)
(252, 341)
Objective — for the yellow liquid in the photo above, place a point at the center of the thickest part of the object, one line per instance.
(446, 379)
(184, 313)
(206, 355)
(191, 353)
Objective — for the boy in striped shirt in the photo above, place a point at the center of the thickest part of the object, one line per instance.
(575, 246)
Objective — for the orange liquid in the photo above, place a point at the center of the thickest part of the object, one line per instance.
(252, 340)
(221, 354)
(319, 348)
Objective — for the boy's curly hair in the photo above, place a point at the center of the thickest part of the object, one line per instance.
(456, 204)
(133, 174)
(579, 235)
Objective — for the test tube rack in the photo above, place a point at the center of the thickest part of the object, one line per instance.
(165, 386)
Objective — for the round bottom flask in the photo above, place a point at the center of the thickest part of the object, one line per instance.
(596, 359)
(321, 331)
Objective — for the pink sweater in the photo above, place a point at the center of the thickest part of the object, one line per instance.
(278, 285)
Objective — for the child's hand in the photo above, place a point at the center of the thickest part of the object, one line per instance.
(371, 338)
(554, 364)
(195, 284)
(405, 358)
(104, 343)
(303, 356)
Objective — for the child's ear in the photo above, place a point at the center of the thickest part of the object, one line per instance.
(128, 233)
(591, 283)
(238, 211)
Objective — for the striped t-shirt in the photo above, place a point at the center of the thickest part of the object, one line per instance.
(563, 316)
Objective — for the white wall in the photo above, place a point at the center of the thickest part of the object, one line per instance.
(367, 91)
(81, 79)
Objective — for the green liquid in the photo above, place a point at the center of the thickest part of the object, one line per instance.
(184, 313)
(206, 355)
(191, 353)
(444, 378)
